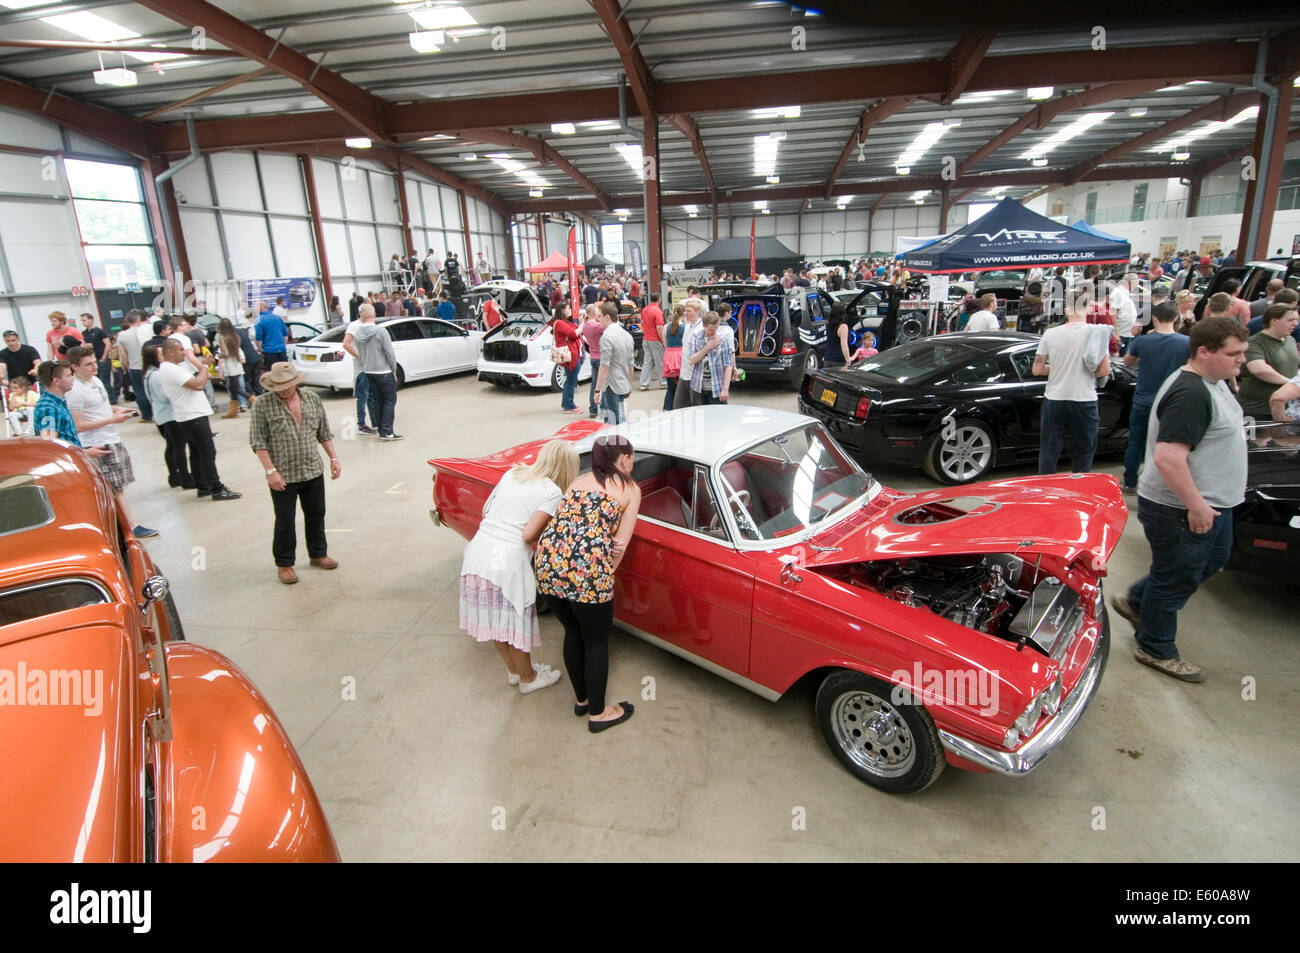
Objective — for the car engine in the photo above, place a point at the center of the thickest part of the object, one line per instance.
(979, 592)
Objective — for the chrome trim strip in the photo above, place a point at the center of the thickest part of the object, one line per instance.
(62, 581)
(1033, 751)
(760, 690)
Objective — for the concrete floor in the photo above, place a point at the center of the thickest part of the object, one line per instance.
(436, 746)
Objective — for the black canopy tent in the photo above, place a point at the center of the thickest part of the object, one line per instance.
(598, 262)
(732, 254)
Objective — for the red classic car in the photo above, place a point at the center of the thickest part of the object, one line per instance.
(964, 627)
(119, 740)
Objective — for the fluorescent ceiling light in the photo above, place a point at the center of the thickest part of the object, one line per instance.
(843, 200)
(632, 156)
(622, 212)
(114, 77)
(767, 211)
(1184, 138)
(927, 137)
(90, 26)
(1065, 134)
(1137, 112)
(518, 168)
(361, 142)
(1040, 161)
(920, 194)
(984, 96)
(435, 138)
(903, 169)
(691, 209)
(441, 17)
(773, 180)
(692, 215)
(1181, 155)
(428, 41)
(535, 193)
(564, 128)
(468, 156)
(776, 112)
(765, 149)
(1041, 92)
(918, 201)
(599, 124)
(759, 206)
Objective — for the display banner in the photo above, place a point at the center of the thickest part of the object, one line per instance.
(574, 294)
(298, 293)
(634, 253)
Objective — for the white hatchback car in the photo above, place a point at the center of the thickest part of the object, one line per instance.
(519, 352)
(425, 347)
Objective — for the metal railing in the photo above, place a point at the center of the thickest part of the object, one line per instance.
(1227, 203)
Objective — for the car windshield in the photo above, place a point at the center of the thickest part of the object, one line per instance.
(922, 360)
(790, 482)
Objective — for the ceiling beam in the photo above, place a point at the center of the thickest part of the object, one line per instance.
(688, 128)
(777, 193)
(1225, 107)
(540, 150)
(96, 122)
(204, 93)
(634, 64)
(961, 62)
(1043, 113)
(365, 111)
(880, 111)
(1206, 166)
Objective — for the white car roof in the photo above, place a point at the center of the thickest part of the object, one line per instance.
(705, 434)
(502, 284)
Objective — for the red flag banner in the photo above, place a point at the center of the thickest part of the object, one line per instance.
(573, 274)
(753, 250)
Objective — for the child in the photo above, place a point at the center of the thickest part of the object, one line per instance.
(868, 349)
(21, 402)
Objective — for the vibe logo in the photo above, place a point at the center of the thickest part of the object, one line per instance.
(1021, 233)
(103, 907)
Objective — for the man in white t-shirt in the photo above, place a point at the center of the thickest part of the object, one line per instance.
(130, 345)
(985, 319)
(96, 419)
(185, 391)
(1070, 401)
(1125, 310)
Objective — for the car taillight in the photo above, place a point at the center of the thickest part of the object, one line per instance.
(807, 385)
(331, 356)
(787, 347)
(864, 405)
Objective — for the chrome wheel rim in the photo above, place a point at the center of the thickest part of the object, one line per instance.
(966, 455)
(810, 363)
(560, 375)
(873, 734)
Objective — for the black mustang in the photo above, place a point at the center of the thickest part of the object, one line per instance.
(956, 405)
(1266, 537)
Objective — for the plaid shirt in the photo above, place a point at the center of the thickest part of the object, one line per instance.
(293, 451)
(720, 358)
(52, 413)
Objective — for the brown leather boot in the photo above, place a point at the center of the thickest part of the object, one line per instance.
(232, 412)
(325, 562)
(286, 574)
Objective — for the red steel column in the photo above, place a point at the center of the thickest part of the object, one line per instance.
(1194, 194)
(313, 206)
(464, 226)
(1256, 150)
(541, 237)
(149, 169)
(403, 209)
(945, 206)
(1271, 177)
(510, 247)
(654, 233)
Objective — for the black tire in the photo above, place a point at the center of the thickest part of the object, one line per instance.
(889, 743)
(401, 376)
(174, 625)
(967, 456)
(812, 363)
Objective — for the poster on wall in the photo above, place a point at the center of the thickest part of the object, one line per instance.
(298, 293)
(113, 272)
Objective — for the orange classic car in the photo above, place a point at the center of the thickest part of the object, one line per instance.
(119, 740)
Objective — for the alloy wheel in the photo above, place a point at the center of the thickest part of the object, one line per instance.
(967, 455)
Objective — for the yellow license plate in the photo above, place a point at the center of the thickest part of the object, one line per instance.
(828, 397)
(309, 357)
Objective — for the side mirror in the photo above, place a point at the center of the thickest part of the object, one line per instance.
(154, 589)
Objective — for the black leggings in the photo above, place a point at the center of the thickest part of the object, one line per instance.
(586, 647)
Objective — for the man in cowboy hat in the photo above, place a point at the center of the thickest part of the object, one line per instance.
(284, 427)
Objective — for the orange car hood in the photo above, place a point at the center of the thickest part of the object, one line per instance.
(66, 737)
(1064, 516)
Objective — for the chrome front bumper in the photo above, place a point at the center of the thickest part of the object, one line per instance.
(1033, 751)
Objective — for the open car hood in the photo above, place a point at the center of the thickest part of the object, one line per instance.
(1064, 516)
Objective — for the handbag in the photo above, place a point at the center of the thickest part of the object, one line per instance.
(562, 354)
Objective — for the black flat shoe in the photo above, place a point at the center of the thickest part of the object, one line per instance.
(579, 709)
(595, 726)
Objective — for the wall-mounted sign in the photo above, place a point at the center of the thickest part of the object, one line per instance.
(298, 293)
(133, 286)
(80, 291)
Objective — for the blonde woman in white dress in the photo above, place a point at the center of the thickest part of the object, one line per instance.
(498, 591)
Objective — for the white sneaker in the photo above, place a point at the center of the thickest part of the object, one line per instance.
(544, 679)
(513, 679)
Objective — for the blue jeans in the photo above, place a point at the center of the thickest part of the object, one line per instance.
(591, 396)
(611, 407)
(383, 401)
(1180, 561)
(361, 388)
(104, 371)
(570, 385)
(670, 392)
(1137, 441)
(1077, 418)
(141, 398)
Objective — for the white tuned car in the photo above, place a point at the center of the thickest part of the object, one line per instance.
(519, 352)
(425, 347)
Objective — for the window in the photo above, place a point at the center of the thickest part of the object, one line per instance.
(705, 518)
(1140, 202)
(1090, 208)
(109, 203)
(986, 371)
(1023, 361)
(435, 329)
(611, 242)
(404, 331)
